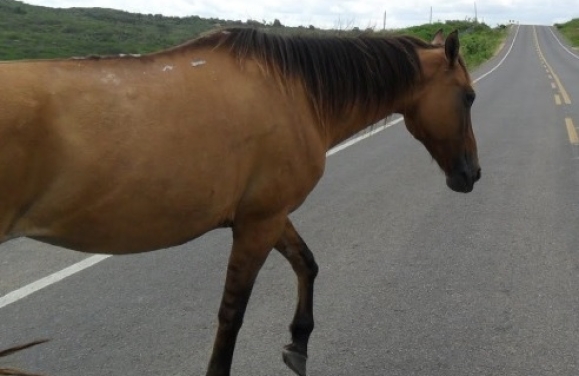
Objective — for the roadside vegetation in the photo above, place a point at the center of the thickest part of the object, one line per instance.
(479, 42)
(570, 30)
(34, 32)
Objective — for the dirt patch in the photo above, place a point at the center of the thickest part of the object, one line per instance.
(499, 49)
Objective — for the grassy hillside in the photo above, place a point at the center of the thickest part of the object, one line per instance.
(32, 32)
(570, 30)
(28, 31)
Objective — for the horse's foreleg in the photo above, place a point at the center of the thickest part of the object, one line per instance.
(252, 242)
(295, 250)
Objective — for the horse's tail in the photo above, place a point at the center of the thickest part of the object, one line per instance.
(12, 350)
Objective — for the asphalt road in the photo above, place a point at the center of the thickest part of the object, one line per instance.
(414, 279)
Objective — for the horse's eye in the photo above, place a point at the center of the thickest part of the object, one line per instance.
(469, 98)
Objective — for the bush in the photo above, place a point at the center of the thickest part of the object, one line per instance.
(570, 30)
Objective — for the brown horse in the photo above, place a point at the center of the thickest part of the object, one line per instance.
(136, 153)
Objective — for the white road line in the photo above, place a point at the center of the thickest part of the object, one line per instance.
(561, 44)
(23, 292)
(33, 287)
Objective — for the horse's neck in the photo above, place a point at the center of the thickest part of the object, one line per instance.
(351, 123)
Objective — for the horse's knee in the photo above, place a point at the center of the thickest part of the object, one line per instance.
(312, 269)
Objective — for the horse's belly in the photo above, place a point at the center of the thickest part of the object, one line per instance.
(130, 226)
(124, 238)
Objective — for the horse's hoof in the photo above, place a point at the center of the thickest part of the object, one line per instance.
(295, 361)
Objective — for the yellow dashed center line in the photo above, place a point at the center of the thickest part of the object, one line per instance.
(571, 130)
(573, 138)
(564, 94)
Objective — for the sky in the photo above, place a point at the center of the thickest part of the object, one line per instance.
(345, 14)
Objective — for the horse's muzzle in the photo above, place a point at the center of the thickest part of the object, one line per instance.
(463, 180)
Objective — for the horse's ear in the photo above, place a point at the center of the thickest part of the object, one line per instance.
(438, 38)
(452, 47)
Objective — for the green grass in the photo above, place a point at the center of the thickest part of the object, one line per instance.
(570, 30)
(478, 41)
(34, 32)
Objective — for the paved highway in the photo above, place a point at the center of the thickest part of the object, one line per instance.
(414, 279)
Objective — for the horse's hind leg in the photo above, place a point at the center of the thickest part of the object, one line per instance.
(252, 242)
(295, 250)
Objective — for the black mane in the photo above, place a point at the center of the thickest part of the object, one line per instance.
(337, 71)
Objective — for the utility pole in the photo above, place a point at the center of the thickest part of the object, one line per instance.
(431, 14)
(384, 27)
(475, 13)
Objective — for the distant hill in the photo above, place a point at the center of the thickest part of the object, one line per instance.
(28, 31)
(33, 32)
